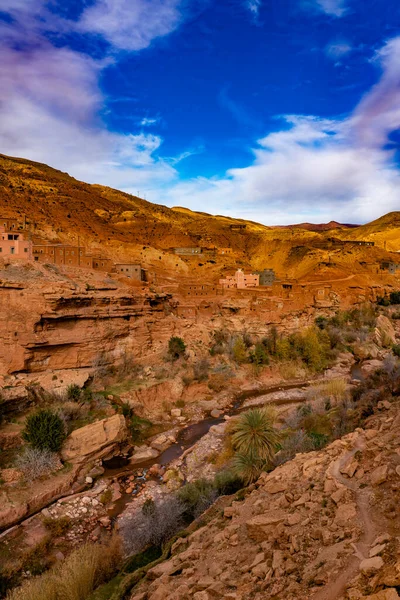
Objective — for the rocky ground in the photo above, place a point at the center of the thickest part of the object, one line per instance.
(323, 526)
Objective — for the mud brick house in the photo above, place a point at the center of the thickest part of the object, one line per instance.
(201, 289)
(131, 270)
(267, 277)
(70, 256)
(102, 264)
(237, 227)
(391, 267)
(225, 251)
(13, 243)
(240, 281)
(187, 251)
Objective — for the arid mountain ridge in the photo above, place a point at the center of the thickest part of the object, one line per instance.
(60, 208)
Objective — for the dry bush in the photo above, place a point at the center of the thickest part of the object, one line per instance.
(201, 369)
(292, 445)
(76, 577)
(35, 463)
(153, 527)
(292, 370)
(43, 587)
(335, 389)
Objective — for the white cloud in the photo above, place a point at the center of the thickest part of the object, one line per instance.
(317, 169)
(131, 24)
(379, 112)
(146, 122)
(336, 8)
(50, 103)
(338, 49)
(313, 169)
(254, 6)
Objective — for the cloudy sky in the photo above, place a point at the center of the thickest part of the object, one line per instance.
(279, 111)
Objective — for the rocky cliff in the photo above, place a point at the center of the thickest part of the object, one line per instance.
(323, 526)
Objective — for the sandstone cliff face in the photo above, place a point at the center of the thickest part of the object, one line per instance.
(323, 526)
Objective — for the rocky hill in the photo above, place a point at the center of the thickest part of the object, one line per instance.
(58, 207)
(323, 526)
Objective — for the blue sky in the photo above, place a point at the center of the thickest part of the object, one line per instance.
(274, 110)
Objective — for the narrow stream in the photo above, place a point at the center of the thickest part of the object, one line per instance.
(189, 435)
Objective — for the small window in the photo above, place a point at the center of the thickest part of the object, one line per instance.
(25, 249)
(12, 250)
(10, 237)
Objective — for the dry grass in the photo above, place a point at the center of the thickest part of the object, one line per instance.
(76, 577)
(335, 389)
(292, 370)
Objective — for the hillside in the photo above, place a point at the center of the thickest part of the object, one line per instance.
(385, 232)
(58, 207)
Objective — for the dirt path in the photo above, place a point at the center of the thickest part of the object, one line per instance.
(336, 588)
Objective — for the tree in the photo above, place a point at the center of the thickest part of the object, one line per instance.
(253, 434)
(259, 356)
(239, 351)
(44, 430)
(176, 347)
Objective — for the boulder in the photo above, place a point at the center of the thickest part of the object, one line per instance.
(142, 454)
(259, 527)
(216, 413)
(94, 440)
(384, 332)
(379, 475)
(369, 566)
(275, 487)
(345, 514)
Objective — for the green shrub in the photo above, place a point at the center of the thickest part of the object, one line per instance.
(44, 430)
(259, 356)
(57, 527)
(176, 347)
(74, 392)
(396, 349)
(138, 427)
(239, 353)
(196, 497)
(126, 410)
(227, 483)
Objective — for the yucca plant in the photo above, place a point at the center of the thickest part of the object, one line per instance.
(253, 434)
(247, 467)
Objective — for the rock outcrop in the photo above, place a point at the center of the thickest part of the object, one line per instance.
(96, 440)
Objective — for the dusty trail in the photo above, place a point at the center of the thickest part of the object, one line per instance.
(336, 589)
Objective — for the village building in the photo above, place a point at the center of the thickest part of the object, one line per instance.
(100, 263)
(131, 270)
(200, 289)
(240, 281)
(225, 251)
(389, 266)
(267, 277)
(237, 226)
(14, 244)
(187, 251)
(70, 256)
